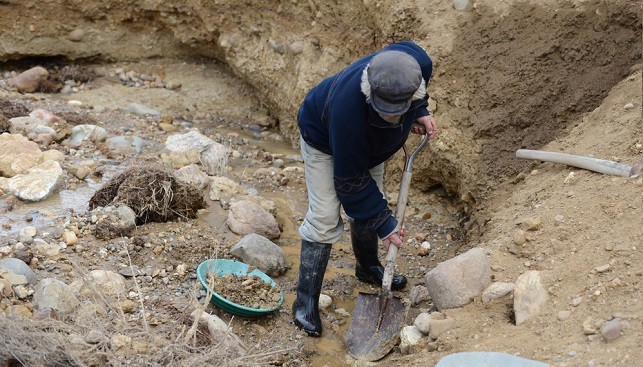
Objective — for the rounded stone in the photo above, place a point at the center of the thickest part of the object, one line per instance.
(18, 267)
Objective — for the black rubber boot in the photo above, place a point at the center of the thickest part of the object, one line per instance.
(368, 267)
(313, 261)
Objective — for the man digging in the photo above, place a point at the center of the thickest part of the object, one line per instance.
(350, 124)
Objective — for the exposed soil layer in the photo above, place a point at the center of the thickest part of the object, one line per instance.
(508, 74)
(556, 75)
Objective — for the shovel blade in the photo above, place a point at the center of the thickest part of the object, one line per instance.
(363, 339)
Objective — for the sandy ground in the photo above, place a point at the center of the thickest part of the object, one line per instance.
(553, 75)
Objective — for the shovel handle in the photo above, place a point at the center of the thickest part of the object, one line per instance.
(402, 199)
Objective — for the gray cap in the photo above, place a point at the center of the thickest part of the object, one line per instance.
(394, 77)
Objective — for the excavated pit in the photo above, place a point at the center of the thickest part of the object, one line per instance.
(508, 75)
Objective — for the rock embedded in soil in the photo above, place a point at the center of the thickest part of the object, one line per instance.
(80, 133)
(532, 223)
(563, 315)
(409, 336)
(192, 174)
(27, 125)
(325, 301)
(612, 330)
(105, 281)
(455, 282)
(529, 296)
(419, 294)
(438, 327)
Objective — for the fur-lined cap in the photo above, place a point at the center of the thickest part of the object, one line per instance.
(393, 78)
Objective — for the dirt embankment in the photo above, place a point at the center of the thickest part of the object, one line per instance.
(508, 75)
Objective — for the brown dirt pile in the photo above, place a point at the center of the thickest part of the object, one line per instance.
(153, 192)
(249, 291)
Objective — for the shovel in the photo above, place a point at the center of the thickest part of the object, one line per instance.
(377, 320)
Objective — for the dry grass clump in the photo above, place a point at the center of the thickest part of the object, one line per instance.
(74, 118)
(78, 73)
(124, 339)
(57, 77)
(153, 192)
(11, 109)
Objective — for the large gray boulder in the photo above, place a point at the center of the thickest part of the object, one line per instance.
(259, 251)
(247, 217)
(456, 282)
(18, 267)
(55, 294)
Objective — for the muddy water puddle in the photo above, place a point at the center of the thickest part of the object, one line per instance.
(49, 212)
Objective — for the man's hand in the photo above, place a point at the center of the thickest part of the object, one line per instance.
(429, 124)
(395, 238)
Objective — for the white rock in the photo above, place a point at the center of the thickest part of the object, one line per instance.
(409, 336)
(80, 133)
(422, 322)
(37, 183)
(21, 292)
(49, 250)
(563, 315)
(325, 301)
(28, 125)
(53, 155)
(213, 156)
(629, 106)
(104, 281)
(192, 174)
(139, 109)
(181, 269)
(29, 231)
(17, 154)
(529, 296)
(13, 278)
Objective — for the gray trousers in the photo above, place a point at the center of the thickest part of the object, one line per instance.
(323, 222)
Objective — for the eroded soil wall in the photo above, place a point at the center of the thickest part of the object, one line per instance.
(508, 74)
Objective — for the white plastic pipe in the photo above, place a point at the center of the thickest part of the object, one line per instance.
(592, 164)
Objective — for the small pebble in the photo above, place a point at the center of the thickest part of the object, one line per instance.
(629, 106)
(611, 330)
(576, 301)
(602, 268)
(564, 315)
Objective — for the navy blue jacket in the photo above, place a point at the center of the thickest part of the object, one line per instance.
(336, 119)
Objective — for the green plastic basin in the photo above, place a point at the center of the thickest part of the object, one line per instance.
(222, 267)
